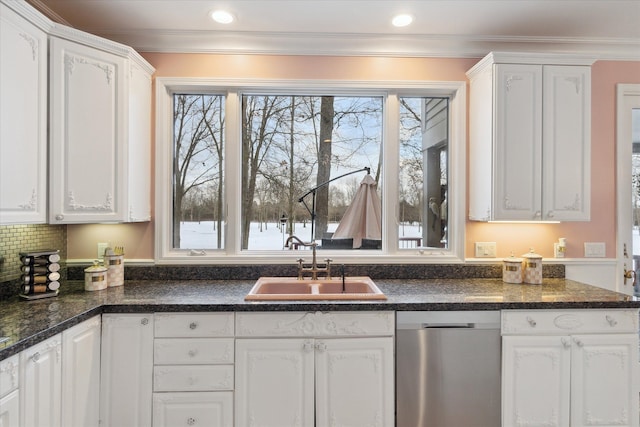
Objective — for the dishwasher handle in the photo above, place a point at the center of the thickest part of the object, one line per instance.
(448, 326)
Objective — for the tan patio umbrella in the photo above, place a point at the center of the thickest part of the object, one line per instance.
(363, 218)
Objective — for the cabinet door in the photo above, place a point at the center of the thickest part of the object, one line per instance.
(274, 382)
(10, 410)
(88, 134)
(604, 380)
(213, 409)
(567, 143)
(23, 120)
(536, 380)
(355, 382)
(127, 370)
(41, 384)
(517, 142)
(81, 374)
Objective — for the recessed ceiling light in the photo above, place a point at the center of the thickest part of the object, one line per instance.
(222, 16)
(402, 20)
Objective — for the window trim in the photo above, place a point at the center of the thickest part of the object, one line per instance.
(233, 89)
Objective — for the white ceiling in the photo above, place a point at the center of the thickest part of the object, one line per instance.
(602, 28)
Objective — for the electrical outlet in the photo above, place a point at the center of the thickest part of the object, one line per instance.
(101, 249)
(485, 249)
(595, 249)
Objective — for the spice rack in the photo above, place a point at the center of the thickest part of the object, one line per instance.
(40, 274)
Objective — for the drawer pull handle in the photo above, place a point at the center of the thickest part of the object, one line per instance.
(193, 325)
(191, 421)
(144, 321)
(35, 357)
(192, 353)
(531, 322)
(611, 320)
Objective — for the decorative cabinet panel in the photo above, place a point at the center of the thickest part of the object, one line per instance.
(88, 134)
(126, 370)
(81, 374)
(570, 368)
(10, 409)
(23, 119)
(9, 393)
(100, 115)
(329, 368)
(530, 139)
(41, 384)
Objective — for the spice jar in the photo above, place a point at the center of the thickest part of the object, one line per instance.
(532, 267)
(512, 270)
(95, 277)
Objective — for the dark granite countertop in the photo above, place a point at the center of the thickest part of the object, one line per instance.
(29, 322)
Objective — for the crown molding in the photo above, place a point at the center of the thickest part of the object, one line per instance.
(270, 43)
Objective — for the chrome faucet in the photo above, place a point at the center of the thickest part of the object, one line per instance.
(313, 269)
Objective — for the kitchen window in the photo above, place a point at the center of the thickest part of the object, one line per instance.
(240, 167)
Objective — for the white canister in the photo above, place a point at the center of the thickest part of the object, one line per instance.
(95, 277)
(512, 270)
(532, 268)
(115, 269)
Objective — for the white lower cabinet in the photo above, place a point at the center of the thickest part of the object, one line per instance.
(308, 369)
(9, 393)
(570, 368)
(126, 370)
(81, 374)
(193, 376)
(41, 384)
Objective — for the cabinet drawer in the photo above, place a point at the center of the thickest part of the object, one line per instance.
(193, 409)
(569, 321)
(9, 375)
(193, 378)
(193, 351)
(187, 325)
(316, 324)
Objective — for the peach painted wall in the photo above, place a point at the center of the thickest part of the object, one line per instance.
(138, 238)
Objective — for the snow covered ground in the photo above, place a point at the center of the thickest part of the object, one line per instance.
(202, 235)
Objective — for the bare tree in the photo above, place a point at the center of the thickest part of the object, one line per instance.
(196, 135)
(324, 165)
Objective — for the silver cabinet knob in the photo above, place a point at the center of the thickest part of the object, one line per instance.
(193, 325)
(612, 322)
(59, 217)
(144, 321)
(191, 421)
(531, 322)
(35, 357)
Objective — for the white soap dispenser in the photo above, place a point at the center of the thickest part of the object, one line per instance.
(560, 248)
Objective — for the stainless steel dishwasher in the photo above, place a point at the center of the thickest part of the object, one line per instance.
(448, 369)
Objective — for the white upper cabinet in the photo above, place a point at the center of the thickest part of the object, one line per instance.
(530, 120)
(99, 131)
(23, 118)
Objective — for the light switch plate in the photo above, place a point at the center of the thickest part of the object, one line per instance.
(485, 249)
(595, 249)
(101, 248)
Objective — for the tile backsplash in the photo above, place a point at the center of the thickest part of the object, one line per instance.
(19, 238)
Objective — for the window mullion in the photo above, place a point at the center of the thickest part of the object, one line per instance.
(390, 185)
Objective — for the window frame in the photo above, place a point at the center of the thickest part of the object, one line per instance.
(233, 89)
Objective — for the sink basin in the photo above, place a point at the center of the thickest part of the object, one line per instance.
(291, 288)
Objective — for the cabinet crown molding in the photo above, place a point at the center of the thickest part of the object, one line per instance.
(529, 58)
